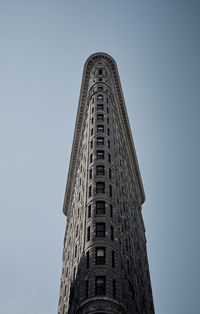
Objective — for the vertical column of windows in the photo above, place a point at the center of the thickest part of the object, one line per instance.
(100, 227)
(91, 143)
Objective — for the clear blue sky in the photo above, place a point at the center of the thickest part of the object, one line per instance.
(43, 47)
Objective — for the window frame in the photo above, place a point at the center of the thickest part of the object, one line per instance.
(101, 259)
(100, 154)
(87, 259)
(91, 158)
(100, 117)
(100, 141)
(88, 233)
(100, 290)
(100, 210)
(100, 128)
(100, 187)
(100, 170)
(100, 107)
(110, 191)
(100, 230)
(90, 191)
(100, 97)
(89, 211)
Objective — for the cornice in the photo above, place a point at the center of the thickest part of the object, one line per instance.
(80, 121)
(101, 300)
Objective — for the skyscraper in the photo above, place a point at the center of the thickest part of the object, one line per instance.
(105, 267)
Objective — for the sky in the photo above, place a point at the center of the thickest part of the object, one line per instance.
(43, 47)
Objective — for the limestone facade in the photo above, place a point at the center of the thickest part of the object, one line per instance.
(105, 267)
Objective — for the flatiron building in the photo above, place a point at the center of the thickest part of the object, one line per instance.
(105, 268)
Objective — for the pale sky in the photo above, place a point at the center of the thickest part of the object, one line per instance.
(43, 47)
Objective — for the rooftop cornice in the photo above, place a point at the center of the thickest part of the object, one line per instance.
(80, 121)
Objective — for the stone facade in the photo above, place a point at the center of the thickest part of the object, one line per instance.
(105, 267)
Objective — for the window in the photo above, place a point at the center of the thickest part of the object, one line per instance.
(92, 109)
(93, 100)
(107, 110)
(92, 131)
(113, 259)
(100, 79)
(100, 128)
(100, 171)
(108, 120)
(100, 117)
(100, 71)
(110, 174)
(89, 211)
(100, 107)
(100, 187)
(91, 144)
(88, 234)
(100, 88)
(109, 158)
(100, 230)
(111, 233)
(100, 141)
(75, 253)
(100, 207)
(86, 288)
(100, 285)
(100, 256)
(111, 210)
(108, 144)
(100, 154)
(110, 190)
(87, 259)
(90, 191)
(91, 157)
(114, 288)
(90, 176)
(107, 100)
(99, 97)
(108, 131)
(92, 120)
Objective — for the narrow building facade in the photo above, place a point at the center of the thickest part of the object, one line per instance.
(105, 267)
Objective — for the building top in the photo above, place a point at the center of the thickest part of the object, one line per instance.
(80, 122)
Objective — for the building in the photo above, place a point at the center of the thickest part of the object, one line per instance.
(105, 267)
